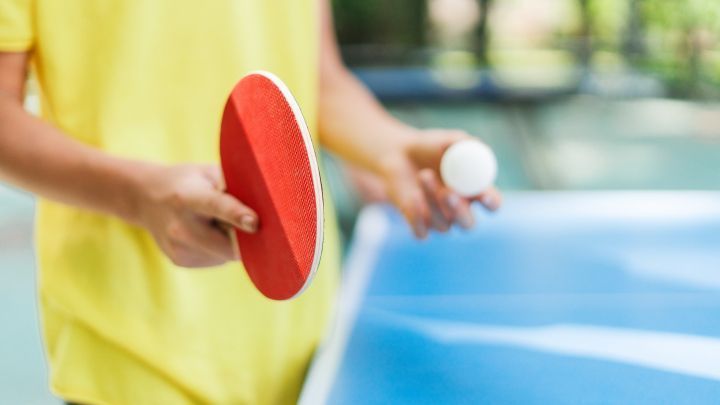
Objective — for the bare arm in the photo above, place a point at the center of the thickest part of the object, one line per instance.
(37, 157)
(176, 204)
(352, 123)
(356, 127)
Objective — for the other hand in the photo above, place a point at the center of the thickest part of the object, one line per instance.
(411, 176)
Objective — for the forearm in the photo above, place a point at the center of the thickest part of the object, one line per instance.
(354, 125)
(39, 158)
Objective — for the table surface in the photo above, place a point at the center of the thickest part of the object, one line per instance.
(560, 298)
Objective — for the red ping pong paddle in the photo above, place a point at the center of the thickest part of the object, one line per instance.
(269, 164)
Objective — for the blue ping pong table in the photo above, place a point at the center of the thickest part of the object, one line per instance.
(600, 297)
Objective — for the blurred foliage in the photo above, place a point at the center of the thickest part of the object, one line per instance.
(682, 35)
(609, 19)
(389, 22)
(676, 41)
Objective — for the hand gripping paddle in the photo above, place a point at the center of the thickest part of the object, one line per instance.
(269, 164)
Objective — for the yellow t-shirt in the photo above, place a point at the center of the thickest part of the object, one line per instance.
(148, 80)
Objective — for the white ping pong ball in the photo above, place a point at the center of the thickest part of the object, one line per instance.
(468, 167)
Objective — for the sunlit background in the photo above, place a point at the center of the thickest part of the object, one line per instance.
(571, 94)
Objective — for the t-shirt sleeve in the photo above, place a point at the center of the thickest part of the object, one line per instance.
(17, 31)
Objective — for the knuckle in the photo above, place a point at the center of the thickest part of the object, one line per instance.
(179, 262)
(215, 205)
(176, 198)
(393, 168)
(174, 231)
(175, 254)
(426, 175)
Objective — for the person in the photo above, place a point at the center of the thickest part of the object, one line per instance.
(124, 162)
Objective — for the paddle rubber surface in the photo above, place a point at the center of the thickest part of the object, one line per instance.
(269, 164)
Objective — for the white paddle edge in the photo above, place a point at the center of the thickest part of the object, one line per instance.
(314, 170)
(371, 232)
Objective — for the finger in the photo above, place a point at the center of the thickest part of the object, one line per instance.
(228, 230)
(463, 213)
(186, 253)
(414, 208)
(408, 196)
(429, 147)
(441, 215)
(442, 194)
(211, 239)
(419, 216)
(189, 257)
(235, 246)
(490, 199)
(226, 208)
(223, 226)
(215, 175)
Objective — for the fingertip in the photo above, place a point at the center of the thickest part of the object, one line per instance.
(247, 223)
(422, 209)
(238, 214)
(426, 176)
(421, 230)
(465, 217)
(491, 199)
(416, 217)
(453, 200)
(251, 223)
(423, 218)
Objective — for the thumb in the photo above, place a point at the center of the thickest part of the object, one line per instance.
(427, 149)
(214, 174)
(226, 208)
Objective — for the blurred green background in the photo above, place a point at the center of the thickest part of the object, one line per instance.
(571, 94)
(675, 42)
